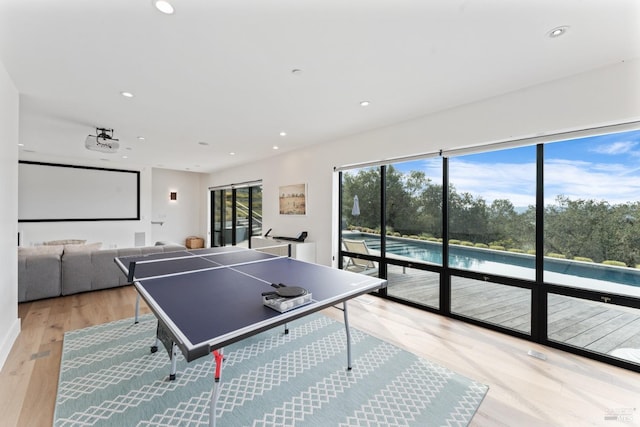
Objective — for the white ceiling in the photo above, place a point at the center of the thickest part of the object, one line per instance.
(220, 71)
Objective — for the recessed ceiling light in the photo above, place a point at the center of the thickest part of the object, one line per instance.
(20, 145)
(203, 143)
(364, 103)
(141, 138)
(163, 6)
(126, 94)
(283, 134)
(275, 147)
(296, 72)
(232, 153)
(558, 31)
(125, 157)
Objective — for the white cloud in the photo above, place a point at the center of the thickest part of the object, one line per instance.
(615, 148)
(512, 181)
(615, 183)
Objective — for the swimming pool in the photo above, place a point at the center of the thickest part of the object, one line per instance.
(559, 271)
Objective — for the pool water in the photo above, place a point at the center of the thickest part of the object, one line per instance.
(510, 264)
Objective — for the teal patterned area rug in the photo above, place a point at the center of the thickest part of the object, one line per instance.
(108, 377)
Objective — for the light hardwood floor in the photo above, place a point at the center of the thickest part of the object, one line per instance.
(562, 390)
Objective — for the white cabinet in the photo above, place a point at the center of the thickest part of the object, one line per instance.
(304, 251)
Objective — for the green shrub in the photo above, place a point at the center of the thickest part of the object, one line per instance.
(466, 243)
(531, 252)
(555, 255)
(614, 263)
(413, 236)
(582, 258)
(497, 247)
(454, 242)
(481, 245)
(516, 250)
(433, 239)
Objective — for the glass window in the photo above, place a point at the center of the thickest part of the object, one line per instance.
(592, 213)
(414, 210)
(236, 209)
(217, 221)
(501, 305)
(242, 216)
(492, 198)
(595, 326)
(256, 210)
(361, 217)
(411, 284)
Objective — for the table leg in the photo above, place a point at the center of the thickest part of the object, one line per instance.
(215, 392)
(156, 345)
(137, 308)
(346, 325)
(174, 362)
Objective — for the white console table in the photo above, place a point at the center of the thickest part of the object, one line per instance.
(304, 251)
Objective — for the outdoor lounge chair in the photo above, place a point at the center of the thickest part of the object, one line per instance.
(358, 265)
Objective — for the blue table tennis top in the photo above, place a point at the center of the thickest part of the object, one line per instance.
(214, 306)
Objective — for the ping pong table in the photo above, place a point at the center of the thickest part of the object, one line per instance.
(205, 299)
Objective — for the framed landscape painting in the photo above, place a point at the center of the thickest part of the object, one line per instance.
(293, 199)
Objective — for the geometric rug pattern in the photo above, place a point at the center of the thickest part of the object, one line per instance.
(109, 377)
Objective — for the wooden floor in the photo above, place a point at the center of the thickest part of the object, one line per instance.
(561, 390)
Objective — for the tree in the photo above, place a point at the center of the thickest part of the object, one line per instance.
(365, 184)
(468, 217)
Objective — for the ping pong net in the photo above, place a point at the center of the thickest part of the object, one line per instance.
(191, 261)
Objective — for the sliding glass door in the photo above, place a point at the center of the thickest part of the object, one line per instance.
(218, 217)
(492, 230)
(592, 243)
(540, 241)
(236, 215)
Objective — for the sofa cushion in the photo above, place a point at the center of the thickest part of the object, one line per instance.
(76, 272)
(90, 247)
(40, 250)
(52, 270)
(96, 269)
(39, 276)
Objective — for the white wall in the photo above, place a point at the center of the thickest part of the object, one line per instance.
(9, 322)
(112, 234)
(605, 96)
(183, 217)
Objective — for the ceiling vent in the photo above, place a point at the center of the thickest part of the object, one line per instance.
(103, 141)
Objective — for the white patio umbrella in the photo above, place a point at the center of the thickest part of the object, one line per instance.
(355, 211)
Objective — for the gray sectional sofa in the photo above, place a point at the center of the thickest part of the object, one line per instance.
(54, 270)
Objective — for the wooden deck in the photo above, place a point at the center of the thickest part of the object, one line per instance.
(594, 326)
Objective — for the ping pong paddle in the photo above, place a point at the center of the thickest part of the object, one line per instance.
(284, 291)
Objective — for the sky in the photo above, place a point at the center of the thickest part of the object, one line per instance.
(605, 167)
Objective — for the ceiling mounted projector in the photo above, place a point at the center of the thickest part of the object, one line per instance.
(103, 141)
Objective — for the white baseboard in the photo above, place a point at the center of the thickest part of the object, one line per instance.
(8, 340)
